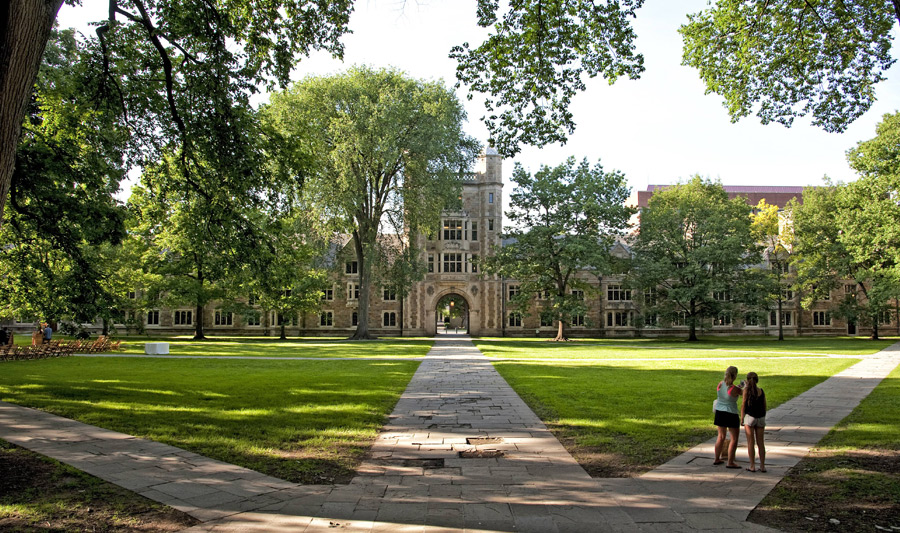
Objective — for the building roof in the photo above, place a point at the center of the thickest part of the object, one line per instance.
(774, 195)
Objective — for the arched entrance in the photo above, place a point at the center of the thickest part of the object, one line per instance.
(451, 315)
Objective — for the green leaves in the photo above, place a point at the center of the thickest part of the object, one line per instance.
(789, 59)
(693, 248)
(566, 219)
(535, 61)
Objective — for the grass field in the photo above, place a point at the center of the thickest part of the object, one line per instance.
(269, 347)
(304, 421)
(621, 418)
(716, 347)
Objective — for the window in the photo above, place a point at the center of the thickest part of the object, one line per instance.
(618, 319)
(650, 297)
(453, 230)
(390, 319)
(252, 319)
(153, 317)
(723, 319)
(430, 263)
(490, 197)
(453, 262)
(222, 318)
(286, 293)
(328, 295)
(183, 318)
(389, 295)
(578, 294)
(547, 321)
(354, 320)
(651, 320)
(578, 320)
(850, 288)
(132, 295)
(680, 319)
(512, 291)
(490, 224)
(884, 318)
(787, 294)
(351, 267)
(722, 296)
(751, 319)
(474, 231)
(786, 318)
(515, 320)
(353, 291)
(615, 293)
(279, 319)
(679, 265)
(326, 318)
(821, 318)
(474, 260)
(252, 299)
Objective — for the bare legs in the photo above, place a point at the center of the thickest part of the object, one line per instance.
(756, 439)
(732, 444)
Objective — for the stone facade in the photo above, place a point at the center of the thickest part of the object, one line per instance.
(451, 255)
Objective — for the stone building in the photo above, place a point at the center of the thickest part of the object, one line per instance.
(453, 293)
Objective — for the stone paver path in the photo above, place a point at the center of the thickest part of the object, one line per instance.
(461, 452)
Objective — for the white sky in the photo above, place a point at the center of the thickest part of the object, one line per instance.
(657, 130)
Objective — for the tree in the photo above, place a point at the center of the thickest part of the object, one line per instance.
(793, 58)
(62, 210)
(567, 219)
(291, 282)
(693, 248)
(535, 60)
(171, 69)
(380, 142)
(776, 237)
(824, 262)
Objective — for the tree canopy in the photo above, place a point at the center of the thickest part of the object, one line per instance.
(789, 59)
(566, 220)
(693, 247)
(382, 147)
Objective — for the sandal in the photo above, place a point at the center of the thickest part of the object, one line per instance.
(718, 462)
(751, 469)
(732, 466)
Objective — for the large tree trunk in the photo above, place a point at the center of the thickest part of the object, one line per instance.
(875, 328)
(560, 330)
(282, 318)
(24, 30)
(198, 329)
(692, 335)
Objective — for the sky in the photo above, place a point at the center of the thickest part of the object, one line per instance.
(660, 129)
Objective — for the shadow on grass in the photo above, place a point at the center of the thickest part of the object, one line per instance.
(302, 421)
(624, 419)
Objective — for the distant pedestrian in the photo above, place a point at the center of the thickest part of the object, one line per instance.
(37, 335)
(753, 416)
(727, 418)
(47, 333)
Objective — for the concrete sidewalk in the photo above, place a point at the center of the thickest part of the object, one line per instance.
(461, 452)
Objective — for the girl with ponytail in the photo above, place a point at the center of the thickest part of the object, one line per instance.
(753, 416)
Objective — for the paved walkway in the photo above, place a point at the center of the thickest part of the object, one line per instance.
(461, 452)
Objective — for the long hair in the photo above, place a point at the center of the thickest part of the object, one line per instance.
(750, 389)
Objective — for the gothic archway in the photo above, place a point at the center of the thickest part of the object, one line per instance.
(451, 314)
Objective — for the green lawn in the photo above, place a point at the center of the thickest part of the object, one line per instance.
(273, 347)
(717, 347)
(305, 421)
(623, 417)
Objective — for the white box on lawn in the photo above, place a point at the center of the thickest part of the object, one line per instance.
(156, 348)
